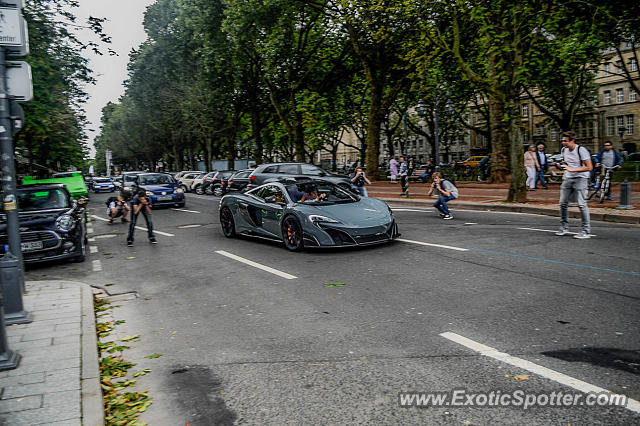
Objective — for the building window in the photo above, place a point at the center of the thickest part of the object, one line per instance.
(607, 97)
(630, 124)
(620, 124)
(590, 129)
(554, 134)
(607, 69)
(633, 64)
(633, 95)
(619, 95)
(611, 126)
(539, 129)
(525, 110)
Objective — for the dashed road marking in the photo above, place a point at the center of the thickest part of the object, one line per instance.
(189, 226)
(91, 240)
(89, 229)
(106, 236)
(545, 372)
(549, 230)
(97, 265)
(256, 265)
(166, 234)
(432, 245)
(185, 210)
(93, 249)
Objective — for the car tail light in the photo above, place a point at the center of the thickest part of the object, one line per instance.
(252, 178)
(215, 179)
(204, 180)
(230, 182)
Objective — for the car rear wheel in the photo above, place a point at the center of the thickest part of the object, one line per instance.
(198, 190)
(228, 225)
(208, 190)
(217, 191)
(292, 234)
(184, 188)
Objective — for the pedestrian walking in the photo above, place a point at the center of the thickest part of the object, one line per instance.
(532, 166)
(393, 169)
(141, 204)
(447, 191)
(404, 178)
(358, 180)
(542, 161)
(609, 158)
(576, 163)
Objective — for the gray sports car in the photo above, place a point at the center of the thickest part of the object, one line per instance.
(309, 213)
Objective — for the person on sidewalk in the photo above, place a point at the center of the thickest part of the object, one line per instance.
(542, 161)
(483, 166)
(576, 165)
(532, 166)
(404, 178)
(428, 171)
(393, 169)
(358, 181)
(411, 165)
(447, 191)
(609, 158)
(141, 204)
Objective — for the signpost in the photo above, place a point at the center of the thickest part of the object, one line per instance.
(15, 85)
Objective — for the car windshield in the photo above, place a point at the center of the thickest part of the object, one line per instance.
(319, 193)
(62, 175)
(102, 180)
(130, 178)
(158, 179)
(42, 199)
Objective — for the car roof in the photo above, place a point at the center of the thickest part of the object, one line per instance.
(43, 186)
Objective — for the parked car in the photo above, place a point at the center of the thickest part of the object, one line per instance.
(273, 172)
(52, 225)
(128, 184)
(473, 160)
(161, 188)
(197, 185)
(238, 181)
(634, 156)
(73, 181)
(102, 184)
(178, 176)
(117, 181)
(217, 185)
(186, 180)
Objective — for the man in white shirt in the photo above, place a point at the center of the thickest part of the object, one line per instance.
(577, 167)
(542, 159)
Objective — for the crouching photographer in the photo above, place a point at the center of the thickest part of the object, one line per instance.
(117, 207)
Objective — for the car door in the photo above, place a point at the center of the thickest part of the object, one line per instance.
(262, 215)
(272, 211)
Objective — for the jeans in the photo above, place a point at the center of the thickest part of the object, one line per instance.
(441, 204)
(361, 189)
(540, 178)
(134, 219)
(578, 188)
(424, 177)
(404, 182)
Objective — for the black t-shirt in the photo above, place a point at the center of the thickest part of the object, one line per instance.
(359, 181)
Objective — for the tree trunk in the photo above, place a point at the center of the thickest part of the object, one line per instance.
(517, 187)
(334, 159)
(375, 119)
(500, 139)
(298, 137)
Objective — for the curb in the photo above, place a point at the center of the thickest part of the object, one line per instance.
(555, 212)
(91, 392)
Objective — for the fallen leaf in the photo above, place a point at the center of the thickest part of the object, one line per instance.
(153, 356)
(174, 332)
(130, 338)
(334, 284)
(130, 258)
(521, 378)
(319, 365)
(142, 373)
(147, 298)
(110, 284)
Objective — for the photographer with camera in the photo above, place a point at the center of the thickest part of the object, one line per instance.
(358, 181)
(447, 191)
(141, 204)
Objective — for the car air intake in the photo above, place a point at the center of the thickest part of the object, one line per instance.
(340, 238)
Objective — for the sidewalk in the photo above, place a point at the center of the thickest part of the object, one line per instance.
(490, 197)
(57, 380)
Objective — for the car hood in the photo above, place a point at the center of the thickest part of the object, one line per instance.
(367, 211)
(167, 187)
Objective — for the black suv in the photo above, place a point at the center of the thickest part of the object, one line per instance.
(52, 224)
(272, 172)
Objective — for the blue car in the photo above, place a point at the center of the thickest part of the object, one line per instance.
(161, 188)
(102, 185)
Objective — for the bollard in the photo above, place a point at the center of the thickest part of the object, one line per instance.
(8, 358)
(625, 196)
(11, 290)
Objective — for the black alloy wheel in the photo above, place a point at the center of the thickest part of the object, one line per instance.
(292, 234)
(82, 253)
(198, 190)
(228, 225)
(217, 191)
(208, 190)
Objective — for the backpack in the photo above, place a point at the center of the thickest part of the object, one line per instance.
(110, 200)
(578, 147)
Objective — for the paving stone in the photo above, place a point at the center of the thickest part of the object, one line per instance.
(64, 340)
(14, 339)
(36, 336)
(51, 353)
(19, 404)
(26, 368)
(68, 383)
(34, 327)
(24, 379)
(66, 422)
(68, 327)
(31, 344)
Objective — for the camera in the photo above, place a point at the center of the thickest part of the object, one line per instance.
(559, 164)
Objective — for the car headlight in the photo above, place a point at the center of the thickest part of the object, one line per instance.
(65, 223)
(149, 193)
(316, 218)
(178, 191)
(127, 188)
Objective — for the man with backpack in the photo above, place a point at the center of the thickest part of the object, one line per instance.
(576, 163)
(117, 207)
(447, 191)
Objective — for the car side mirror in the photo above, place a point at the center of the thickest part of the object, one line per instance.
(271, 199)
(82, 202)
(323, 173)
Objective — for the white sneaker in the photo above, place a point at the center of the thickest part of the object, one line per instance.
(448, 217)
(582, 235)
(562, 231)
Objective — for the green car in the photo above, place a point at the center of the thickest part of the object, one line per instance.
(73, 181)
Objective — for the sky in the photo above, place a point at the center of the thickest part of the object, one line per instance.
(124, 26)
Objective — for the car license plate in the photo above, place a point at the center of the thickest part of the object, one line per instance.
(165, 197)
(31, 245)
(105, 187)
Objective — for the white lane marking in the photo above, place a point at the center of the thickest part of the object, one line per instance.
(185, 210)
(93, 249)
(89, 229)
(545, 372)
(105, 236)
(550, 230)
(97, 265)
(256, 265)
(471, 223)
(205, 197)
(400, 209)
(189, 226)
(166, 234)
(432, 245)
(91, 240)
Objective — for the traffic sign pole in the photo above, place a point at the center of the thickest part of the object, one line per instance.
(11, 263)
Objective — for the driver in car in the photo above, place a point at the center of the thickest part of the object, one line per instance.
(311, 194)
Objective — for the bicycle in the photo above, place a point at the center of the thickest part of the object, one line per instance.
(603, 186)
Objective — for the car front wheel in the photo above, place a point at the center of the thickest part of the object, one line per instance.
(227, 223)
(292, 234)
(82, 253)
(217, 191)
(198, 190)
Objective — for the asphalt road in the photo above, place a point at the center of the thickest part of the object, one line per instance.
(243, 345)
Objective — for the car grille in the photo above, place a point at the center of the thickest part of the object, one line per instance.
(339, 238)
(366, 239)
(49, 238)
(366, 235)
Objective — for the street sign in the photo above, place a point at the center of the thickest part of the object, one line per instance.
(21, 51)
(10, 27)
(19, 85)
(14, 3)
